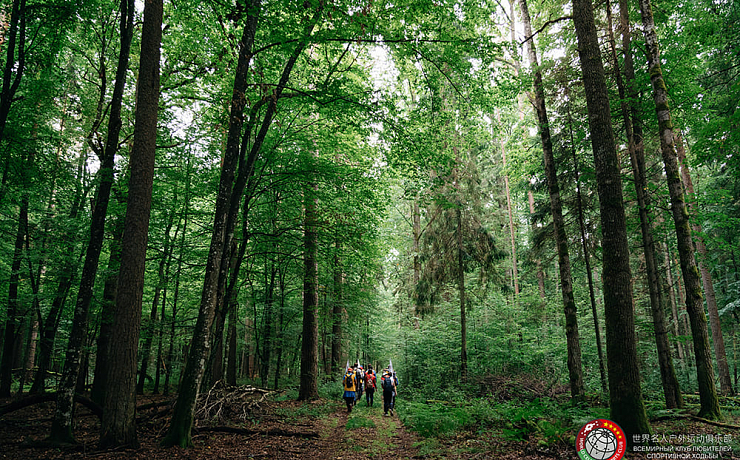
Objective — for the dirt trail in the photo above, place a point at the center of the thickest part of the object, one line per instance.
(367, 433)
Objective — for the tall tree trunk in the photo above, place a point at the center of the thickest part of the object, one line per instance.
(309, 382)
(575, 370)
(694, 303)
(118, 424)
(61, 429)
(625, 394)
(182, 418)
(224, 217)
(671, 387)
(13, 316)
(723, 368)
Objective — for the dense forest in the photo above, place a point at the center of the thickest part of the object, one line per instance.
(532, 209)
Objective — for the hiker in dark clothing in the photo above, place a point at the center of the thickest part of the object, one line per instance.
(359, 381)
(388, 384)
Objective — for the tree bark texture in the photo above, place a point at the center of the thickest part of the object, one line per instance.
(625, 393)
(694, 302)
(575, 370)
(309, 382)
(669, 380)
(118, 425)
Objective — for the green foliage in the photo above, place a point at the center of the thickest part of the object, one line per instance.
(545, 420)
(313, 409)
(356, 421)
(434, 419)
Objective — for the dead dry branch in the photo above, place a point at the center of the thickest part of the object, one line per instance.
(223, 402)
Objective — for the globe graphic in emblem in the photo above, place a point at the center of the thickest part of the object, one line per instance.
(601, 444)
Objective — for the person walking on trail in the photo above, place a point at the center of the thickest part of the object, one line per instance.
(388, 384)
(349, 388)
(370, 385)
(360, 383)
(359, 380)
(395, 389)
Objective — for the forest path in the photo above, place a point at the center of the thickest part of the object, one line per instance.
(366, 433)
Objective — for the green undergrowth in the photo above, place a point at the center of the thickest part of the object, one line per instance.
(546, 421)
(307, 409)
(359, 422)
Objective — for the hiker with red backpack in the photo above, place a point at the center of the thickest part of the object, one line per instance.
(370, 385)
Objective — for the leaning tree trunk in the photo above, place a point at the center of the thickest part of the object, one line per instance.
(179, 433)
(625, 394)
(224, 217)
(14, 317)
(723, 368)
(671, 387)
(694, 303)
(575, 370)
(118, 425)
(309, 389)
(61, 428)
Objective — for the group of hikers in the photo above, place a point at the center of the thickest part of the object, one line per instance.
(357, 380)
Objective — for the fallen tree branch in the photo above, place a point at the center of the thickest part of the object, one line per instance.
(712, 422)
(49, 397)
(246, 431)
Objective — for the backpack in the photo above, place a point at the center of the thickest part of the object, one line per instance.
(348, 380)
(370, 379)
(388, 383)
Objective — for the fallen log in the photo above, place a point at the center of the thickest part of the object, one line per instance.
(49, 397)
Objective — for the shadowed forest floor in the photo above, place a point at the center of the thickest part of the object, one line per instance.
(281, 428)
